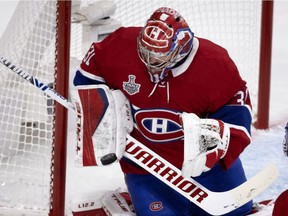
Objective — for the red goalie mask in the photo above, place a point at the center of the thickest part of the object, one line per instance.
(164, 41)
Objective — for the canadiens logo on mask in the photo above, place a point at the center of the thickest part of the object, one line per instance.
(163, 42)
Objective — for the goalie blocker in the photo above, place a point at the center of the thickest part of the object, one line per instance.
(103, 121)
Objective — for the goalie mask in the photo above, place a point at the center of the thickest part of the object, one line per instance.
(164, 41)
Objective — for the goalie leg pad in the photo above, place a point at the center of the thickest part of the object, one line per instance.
(103, 203)
(117, 204)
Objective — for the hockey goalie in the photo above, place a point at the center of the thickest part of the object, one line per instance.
(181, 96)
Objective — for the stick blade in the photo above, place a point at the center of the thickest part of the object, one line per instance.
(255, 185)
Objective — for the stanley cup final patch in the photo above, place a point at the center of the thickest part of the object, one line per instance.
(131, 87)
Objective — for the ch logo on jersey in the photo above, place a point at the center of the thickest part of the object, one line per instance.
(159, 125)
(131, 87)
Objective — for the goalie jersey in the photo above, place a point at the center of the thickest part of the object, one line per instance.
(207, 83)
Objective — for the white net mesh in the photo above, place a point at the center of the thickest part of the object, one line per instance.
(25, 112)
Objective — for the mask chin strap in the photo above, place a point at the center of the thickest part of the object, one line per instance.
(157, 77)
(154, 78)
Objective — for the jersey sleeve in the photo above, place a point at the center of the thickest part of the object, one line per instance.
(237, 114)
(89, 72)
(94, 63)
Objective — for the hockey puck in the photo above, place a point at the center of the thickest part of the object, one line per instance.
(108, 159)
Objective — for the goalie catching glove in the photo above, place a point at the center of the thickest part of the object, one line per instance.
(205, 142)
(103, 121)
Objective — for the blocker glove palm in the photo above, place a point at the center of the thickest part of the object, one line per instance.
(103, 120)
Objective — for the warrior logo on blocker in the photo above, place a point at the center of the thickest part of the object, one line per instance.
(131, 87)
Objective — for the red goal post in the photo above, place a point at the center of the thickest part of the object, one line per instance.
(62, 62)
(262, 121)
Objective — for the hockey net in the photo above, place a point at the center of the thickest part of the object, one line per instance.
(27, 115)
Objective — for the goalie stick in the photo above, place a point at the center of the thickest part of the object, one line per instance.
(34, 81)
(215, 203)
